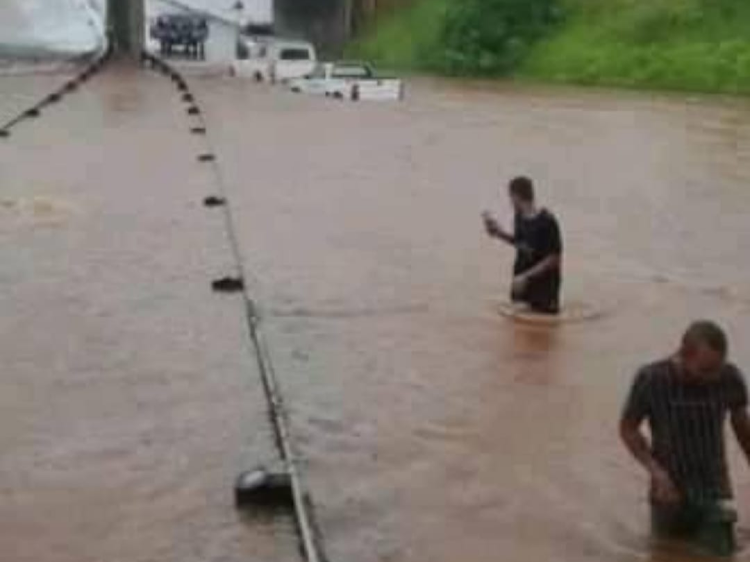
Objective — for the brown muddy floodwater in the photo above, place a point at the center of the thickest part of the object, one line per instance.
(432, 428)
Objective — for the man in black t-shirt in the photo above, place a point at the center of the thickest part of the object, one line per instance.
(686, 400)
(536, 236)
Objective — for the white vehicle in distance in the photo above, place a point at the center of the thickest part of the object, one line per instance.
(275, 60)
(349, 80)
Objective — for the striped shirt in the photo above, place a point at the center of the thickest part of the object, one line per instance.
(687, 425)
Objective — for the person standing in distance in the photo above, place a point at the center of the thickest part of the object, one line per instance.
(686, 400)
(537, 272)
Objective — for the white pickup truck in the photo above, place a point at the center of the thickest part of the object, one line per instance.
(350, 81)
(274, 60)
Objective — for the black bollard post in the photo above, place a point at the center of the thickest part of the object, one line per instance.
(228, 285)
(261, 487)
(213, 201)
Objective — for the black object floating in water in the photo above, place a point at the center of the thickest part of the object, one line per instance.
(4, 133)
(261, 487)
(716, 535)
(33, 112)
(198, 130)
(228, 285)
(187, 97)
(206, 157)
(53, 98)
(213, 201)
(193, 110)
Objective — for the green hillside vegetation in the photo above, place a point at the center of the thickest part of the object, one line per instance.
(678, 44)
(409, 39)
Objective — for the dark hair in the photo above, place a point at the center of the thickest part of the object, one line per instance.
(707, 333)
(523, 188)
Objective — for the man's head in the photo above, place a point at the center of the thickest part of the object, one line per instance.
(521, 191)
(703, 351)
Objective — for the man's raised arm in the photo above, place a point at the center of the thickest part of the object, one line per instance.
(494, 229)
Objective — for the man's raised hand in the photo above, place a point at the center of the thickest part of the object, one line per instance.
(491, 226)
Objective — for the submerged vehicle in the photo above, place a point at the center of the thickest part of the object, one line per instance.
(350, 81)
(275, 60)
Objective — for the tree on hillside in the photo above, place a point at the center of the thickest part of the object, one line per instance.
(492, 36)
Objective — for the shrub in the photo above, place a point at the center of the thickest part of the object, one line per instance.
(493, 36)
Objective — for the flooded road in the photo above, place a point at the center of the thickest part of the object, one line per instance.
(128, 399)
(432, 428)
(435, 429)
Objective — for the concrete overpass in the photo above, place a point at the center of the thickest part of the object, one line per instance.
(126, 25)
(327, 23)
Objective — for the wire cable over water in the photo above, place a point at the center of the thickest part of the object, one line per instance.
(92, 68)
(311, 542)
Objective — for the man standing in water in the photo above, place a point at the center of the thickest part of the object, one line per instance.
(536, 236)
(686, 399)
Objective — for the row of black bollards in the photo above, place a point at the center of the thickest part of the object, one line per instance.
(180, 83)
(261, 486)
(228, 284)
(93, 68)
(281, 486)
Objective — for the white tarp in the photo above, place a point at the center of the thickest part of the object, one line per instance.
(29, 27)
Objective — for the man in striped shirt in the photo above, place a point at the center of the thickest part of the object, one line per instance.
(686, 400)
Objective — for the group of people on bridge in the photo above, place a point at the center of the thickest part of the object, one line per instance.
(178, 31)
(685, 399)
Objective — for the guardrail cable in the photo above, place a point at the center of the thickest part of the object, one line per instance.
(310, 537)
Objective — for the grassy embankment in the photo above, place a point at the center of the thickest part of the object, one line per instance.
(701, 45)
(409, 39)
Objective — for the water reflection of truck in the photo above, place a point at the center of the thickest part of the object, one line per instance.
(274, 60)
(349, 80)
